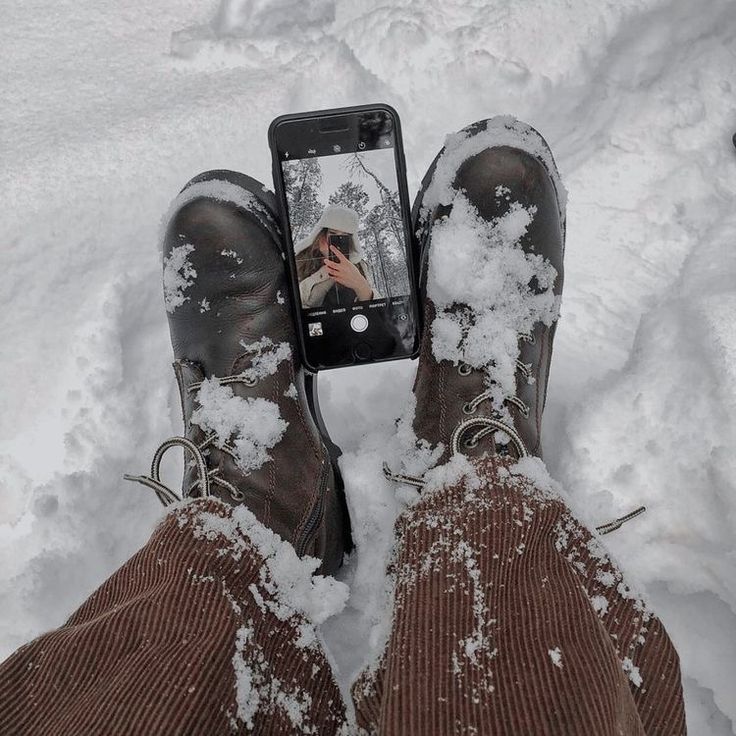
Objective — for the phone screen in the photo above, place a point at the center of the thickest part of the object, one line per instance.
(348, 237)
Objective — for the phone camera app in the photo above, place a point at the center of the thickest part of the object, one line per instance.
(349, 245)
(350, 261)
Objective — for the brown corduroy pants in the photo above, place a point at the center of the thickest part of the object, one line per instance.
(508, 618)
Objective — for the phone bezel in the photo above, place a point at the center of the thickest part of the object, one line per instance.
(288, 246)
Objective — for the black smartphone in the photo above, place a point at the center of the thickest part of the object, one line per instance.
(342, 243)
(340, 180)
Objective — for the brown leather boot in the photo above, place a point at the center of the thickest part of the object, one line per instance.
(505, 171)
(249, 436)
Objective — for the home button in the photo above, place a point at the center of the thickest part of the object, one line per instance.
(362, 351)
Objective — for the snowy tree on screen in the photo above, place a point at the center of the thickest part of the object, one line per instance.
(381, 234)
(352, 195)
(303, 183)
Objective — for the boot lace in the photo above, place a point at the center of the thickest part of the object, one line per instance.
(606, 528)
(484, 426)
(205, 477)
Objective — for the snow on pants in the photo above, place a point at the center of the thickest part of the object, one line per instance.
(508, 618)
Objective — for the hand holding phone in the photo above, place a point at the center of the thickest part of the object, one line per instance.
(341, 270)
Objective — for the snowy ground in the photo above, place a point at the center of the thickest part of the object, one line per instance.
(109, 108)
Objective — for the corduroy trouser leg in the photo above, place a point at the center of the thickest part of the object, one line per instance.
(188, 637)
(507, 618)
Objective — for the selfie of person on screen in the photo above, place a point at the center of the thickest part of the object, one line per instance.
(330, 265)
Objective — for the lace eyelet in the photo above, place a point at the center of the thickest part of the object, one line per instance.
(471, 443)
(468, 409)
(249, 382)
(237, 495)
(464, 369)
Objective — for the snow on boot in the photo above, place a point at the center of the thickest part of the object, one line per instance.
(490, 218)
(249, 437)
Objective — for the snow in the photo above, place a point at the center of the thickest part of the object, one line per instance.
(503, 130)
(256, 689)
(556, 656)
(266, 356)
(110, 109)
(250, 426)
(286, 588)
(632, 671)
(179, 275)
(231, 254)
(288, 580)
(223, 191)
(600, 604)
(498, 302)
(478, 640)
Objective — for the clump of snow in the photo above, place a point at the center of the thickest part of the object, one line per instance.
(534, 473)
(291, 392)
(413, 456)
(479, 640)
(600, 604)
(481, 282)
(204, 305)
(632, 671)
(265, 357)
(606, 578)
(179, 275)
(258, 691)
(556, 656)
(250, 426)
(287, 583)
(458, 470)
(229, 253)
(248, 695)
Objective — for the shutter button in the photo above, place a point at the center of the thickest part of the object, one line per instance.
(359, 323)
